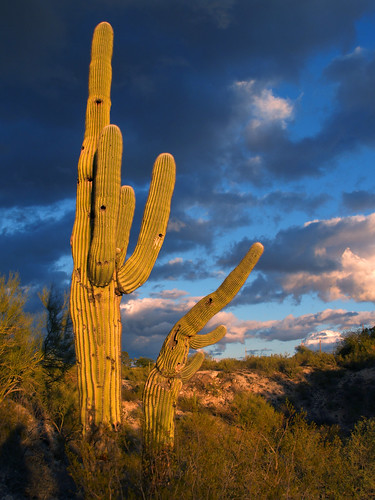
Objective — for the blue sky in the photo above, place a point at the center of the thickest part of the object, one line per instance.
(269, 111)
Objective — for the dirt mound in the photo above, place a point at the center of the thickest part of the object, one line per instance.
(328, 397)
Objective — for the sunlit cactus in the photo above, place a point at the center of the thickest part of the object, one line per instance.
(104, 214)
(173, 368)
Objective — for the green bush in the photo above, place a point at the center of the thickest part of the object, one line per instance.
(229, 364)
(252, 411)
(58, 342)
(96, 464)
(357, 349)
(289, 459)
(59, 399)
(360, 459)
(20, 347)
(315, 359)
(270, 365)
(144, 362)
(189, 403)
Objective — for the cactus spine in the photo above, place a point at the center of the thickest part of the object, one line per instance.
(172, 367)
(104, 213)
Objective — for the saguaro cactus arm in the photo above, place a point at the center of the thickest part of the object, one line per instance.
(105, 205)
(125, 220)
(104, 214)
(172, 367)
(137, 268)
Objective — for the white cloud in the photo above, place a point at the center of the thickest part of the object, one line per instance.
(170, 294)
(175, 225)
(270, 108)
(20, 219)
(142, 307)
(349, 243)
(325, 340)
(262, 107)
(177, 260)
(148, 321)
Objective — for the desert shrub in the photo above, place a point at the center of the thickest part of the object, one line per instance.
(253, 411)
(131, 394)
(20, 352)
(229, 364)
(96, 464)
(126, 360)
(189, 403)
(209, 363)
(270, 365)
(59, 399)
(307, 357)
(288, 459)
(357, 349)
(360, 459)
(13, 432)
(144, 362)
(137, 376)
(58, 342)
(309, 459)
(12, 417)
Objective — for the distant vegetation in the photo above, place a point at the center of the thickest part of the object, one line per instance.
(249, 449)
(355, 351)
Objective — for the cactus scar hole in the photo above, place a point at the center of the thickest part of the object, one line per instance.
(209, 301)
(173, 341)
(103, 207)
(98, 101)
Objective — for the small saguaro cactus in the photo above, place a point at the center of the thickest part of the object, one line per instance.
(104, 214)
(172, 366)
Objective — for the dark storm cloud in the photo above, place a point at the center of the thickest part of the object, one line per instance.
(264, 288)
(289, 201)
(173, 67)
(291, 250)
(359, 201)
(34, 250)
(332, 259)
(221, 212)
(173, 63)
(190, 270)
(37, 164)
(350, 126)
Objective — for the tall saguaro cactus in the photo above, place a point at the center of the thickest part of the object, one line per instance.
(172, 366)
(104, 214)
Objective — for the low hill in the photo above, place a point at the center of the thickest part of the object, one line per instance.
(276, 427)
